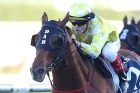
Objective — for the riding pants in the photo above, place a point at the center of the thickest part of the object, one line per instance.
(110, 50)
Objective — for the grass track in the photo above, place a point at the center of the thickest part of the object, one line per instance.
(29, 11)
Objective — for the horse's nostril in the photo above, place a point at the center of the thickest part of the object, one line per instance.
(41, 71)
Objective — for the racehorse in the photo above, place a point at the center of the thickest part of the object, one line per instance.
(130, 36)
(72, 70)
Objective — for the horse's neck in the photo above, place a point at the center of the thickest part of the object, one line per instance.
(73, 72)
(129, 54)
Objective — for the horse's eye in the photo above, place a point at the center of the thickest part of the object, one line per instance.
(135, 40)
(55, 41)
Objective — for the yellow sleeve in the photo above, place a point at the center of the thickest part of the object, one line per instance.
(94, 49)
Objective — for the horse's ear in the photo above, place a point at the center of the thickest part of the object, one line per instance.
(33, 40)
(133, 21)
(138, 25)
(44, 18)
(59, 20)
(125, 20)
(133, 40)
(65, 20)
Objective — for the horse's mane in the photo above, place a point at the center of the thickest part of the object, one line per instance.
(130, 54)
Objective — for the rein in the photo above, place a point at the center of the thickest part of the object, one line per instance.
(71, 91)
(60, 56)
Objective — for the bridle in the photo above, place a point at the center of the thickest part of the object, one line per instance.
(60, 55)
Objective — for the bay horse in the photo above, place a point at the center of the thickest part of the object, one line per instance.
(130, 36)
(56, 51)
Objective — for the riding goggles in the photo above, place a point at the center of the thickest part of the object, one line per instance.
(79, 23)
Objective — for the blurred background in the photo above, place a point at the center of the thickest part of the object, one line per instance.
(20, 19)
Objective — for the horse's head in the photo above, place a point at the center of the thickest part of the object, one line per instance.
(50, 44)
(129, 37)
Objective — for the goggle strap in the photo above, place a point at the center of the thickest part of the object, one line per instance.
(80, 23)
(86, 17)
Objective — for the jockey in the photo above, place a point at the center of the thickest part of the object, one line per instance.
(96, 36)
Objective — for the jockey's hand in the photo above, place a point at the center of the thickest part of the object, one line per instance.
(79, 44)
(73, 37)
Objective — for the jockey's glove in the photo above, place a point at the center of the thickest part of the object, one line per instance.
(73, 37)
(78, 44)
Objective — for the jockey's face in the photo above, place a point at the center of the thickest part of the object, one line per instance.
(79, 27)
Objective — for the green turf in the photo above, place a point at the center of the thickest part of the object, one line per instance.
(23, 12)
(29, 11)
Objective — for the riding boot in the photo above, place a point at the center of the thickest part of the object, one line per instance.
(118, 67)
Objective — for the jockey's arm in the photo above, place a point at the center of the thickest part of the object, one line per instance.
(94, 49)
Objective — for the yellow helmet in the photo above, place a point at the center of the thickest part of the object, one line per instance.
(79, 10)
